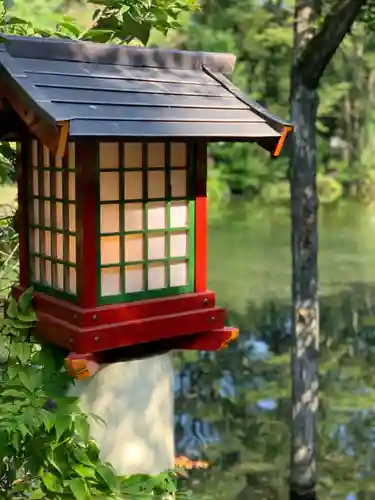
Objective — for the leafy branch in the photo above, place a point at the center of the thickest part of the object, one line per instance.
(45, 448)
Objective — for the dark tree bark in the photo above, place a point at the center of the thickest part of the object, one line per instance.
(313, 50)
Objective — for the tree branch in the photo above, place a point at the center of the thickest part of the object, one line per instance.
(321, 48)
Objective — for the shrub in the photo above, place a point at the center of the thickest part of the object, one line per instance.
(45, 448)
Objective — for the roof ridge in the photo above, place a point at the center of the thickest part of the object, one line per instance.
(84, 51)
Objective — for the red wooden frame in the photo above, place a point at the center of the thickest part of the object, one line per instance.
(86, 193)
(109, 327)
(188, 321)
(201, 219)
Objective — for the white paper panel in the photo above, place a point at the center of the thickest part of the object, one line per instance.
(72, 280)
(110, 218)
(34, 153)
(47, 250)
(134, 245)
(34, 240)
(157, 276)
(47, 213)
(35, 211)
(133, 217)
(134, 279)
(46, 157)
(60, 276)
(72, 249)
(35, 182)
(156, 215)
(60, 246)
(72, 217)
(179, 273)
(133, 155)
(110, 249)
(59, 216)
(36, 269)
(156, 184)
(178, 183)
(179, 214)
(58, 162)
(133, 185)
(47, 183)
(71, 155)
(59, 185)
(156, 246)
(178, 154)
(179, 244)
(72, 186)
(110, 281)
(156, 155)
(48, 273)
(109, 186)
(108, 155)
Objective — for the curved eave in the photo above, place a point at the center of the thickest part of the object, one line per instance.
(22, 96)
(282, 127)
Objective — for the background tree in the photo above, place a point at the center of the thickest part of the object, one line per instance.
(315, 44)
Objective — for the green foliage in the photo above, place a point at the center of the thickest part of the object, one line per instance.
(8, 241)
(114, 21)
(45, 448)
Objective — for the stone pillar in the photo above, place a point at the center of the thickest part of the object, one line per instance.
(135, 399)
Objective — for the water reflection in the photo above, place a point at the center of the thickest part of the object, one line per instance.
(233, 407)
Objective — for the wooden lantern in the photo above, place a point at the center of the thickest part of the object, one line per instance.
(112, 187)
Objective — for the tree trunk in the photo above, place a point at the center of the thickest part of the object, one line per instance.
(305, 302)
(313, 49)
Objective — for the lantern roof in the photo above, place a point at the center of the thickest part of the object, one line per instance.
(62, 88)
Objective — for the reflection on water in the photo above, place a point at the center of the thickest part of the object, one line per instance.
(234, 406)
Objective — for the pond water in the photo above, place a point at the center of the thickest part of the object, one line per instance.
(234, 406)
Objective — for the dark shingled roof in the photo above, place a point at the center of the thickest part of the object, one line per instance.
(114, 91)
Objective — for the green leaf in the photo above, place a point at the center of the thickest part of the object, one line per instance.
(79, 489)
(134, 29)
(92, 451)
(30, 317)
(51, 460)
(22, 351)
(25, 299)
(109, 476)
(71, 28)
(48, 420)
(26, 381)
(82, 427)
(12, 309)
(14, 394)
(13, 372)
(84, 471)
(23, 430)
(98, 35)
(51, 482)
(37, 494)
(15, 440)
(81, 456)
(62, 423)
(17, 20)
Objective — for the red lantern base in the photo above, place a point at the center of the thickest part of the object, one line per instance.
(190, 321)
